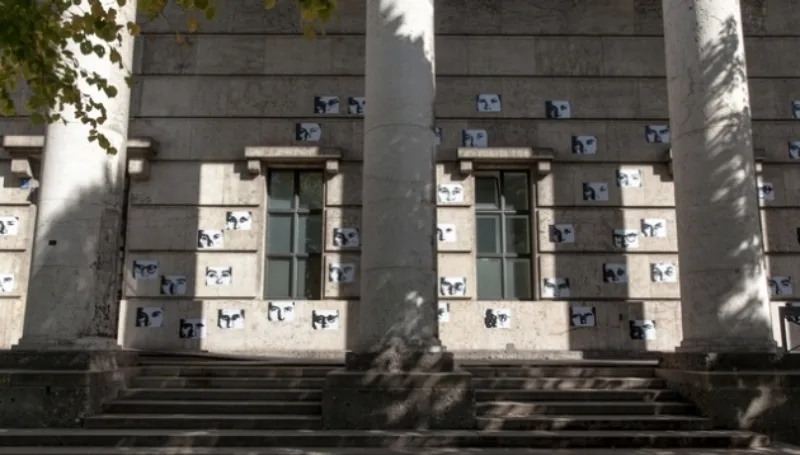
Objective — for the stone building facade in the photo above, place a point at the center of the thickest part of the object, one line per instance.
(557, 179)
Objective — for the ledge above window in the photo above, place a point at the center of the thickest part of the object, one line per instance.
(326, 158)
(24, 149)
(760, 155)
(472, 158)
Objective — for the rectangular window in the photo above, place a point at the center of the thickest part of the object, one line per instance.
(294, 235)
(502, 222)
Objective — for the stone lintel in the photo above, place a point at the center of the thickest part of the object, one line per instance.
(476, 158)
(760, 155)
(398, 401)
(277, 157)
(25, 148)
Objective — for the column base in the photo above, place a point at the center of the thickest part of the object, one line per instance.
(431, 361)
(733, 345)
(76, 344)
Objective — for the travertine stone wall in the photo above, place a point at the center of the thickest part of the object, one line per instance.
(248, 77)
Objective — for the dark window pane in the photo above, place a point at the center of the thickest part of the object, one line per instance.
(490, 279)
(279, 233)
(309, 234)
(311, 190)
(309, 271)
(487, 193)
(515, 191)
(279, 278)
(488, 233)
(517, 235)
(281, 190)
(518, 279)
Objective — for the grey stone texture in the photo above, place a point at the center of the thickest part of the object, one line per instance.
(248, 77)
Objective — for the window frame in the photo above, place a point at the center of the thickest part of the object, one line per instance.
(295, 254)
(504, 214)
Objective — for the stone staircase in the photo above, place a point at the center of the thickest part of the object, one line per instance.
(216, 406)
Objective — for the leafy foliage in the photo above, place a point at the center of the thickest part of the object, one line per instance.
(37, 51)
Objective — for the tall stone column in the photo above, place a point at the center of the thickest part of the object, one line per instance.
(725, 300)
(397, 376)
(73, 291)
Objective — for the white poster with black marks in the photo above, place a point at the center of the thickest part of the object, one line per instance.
(584, 145)
(145, 269)
(629, 178)
(281, 311)
(346, 237)
(555, 287)
(766, 191)
(7, 283)
(219, 276)
(657, 134)
(192, 329)
(654, 227)
(562, 233)
(794, 150)
(615, 273)
(228, 318)
(326, 104)
(625, 238)
(450, 193)
(341, 273)
(307, 132)
(663, 272)
(446, 233)
(173, 284)
(595, 191)
(210, 239)
(452, 286)
(149, 317)
(356, 105)
(474, 138)
(238, 221)
(325, 319)
(582, 316)
(437, 131)
(9, 225)
(796, 109)
(780, 286)
(557, 109)
(444, 312)
(644, 329)
(489, 102)
(497, 318)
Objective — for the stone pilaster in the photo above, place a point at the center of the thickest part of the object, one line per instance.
(398, 376)
(73, 292)
(725, 300)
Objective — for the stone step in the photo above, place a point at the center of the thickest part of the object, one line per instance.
(214, 407)
(204, 422)
(225, 394)
(596, 423)
(569, 383)
(563, 372)
(522, 409)
(577, 395)
(156, 382)
(774, 450)
(395, 439)
(571, 362)
(223, 371)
